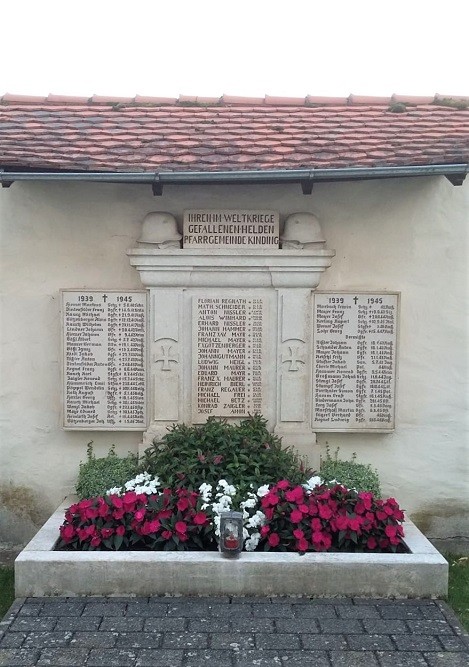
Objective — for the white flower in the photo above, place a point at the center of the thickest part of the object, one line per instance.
(312, 483)
(263, 490)
(115, 491)
(252, 542)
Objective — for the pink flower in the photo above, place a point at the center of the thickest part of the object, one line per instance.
(274, 539)
(283, 484)
(139, 514)
(167, 534)
(67, 533)
(182, 504)
(325, 512)
(217, 459)
(265, 530)
(200, 519)
(296, 516)
(180, 527)
(302, 544)
(298, 533)
(371, 543)
(391, 531)
(120, 530)
(296, 495)
(96, 541)
(106, 533)
(201, 458)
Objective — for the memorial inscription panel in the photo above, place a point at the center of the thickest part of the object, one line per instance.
(228, 336)
(105, 359)
(354, 361)
(230, 229)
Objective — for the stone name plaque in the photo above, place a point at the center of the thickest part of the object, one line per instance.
(228, 338)
(354, 361)
(230, 229)
(105, 360)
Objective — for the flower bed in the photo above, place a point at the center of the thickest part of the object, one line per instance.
(282, 517)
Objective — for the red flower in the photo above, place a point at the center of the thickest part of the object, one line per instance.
(296, 495)
(180, 527)
(325, 511)
(283, 484)
(265, 530)
(298, 533)
(391, 531)
(182, 504)
(106, 533)
(96, 541)
(139, 514)
(274, 540)
(302, 544)
(120, 530)
(316, 524)
(296, 516)
(371, 543)
(341, 522)
(354, 524)
(217, 459)
(167, 534)
(67, 533)
(200, 519)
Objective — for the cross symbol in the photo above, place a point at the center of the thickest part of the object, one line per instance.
(166, 358)
(294, 358)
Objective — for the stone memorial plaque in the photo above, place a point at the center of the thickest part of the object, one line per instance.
(230, 229)
(105, 360)
(354, 361)
(228, 337)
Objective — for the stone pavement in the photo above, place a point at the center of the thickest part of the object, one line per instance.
(231, 632)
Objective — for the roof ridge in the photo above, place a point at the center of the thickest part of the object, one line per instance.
(234, 100)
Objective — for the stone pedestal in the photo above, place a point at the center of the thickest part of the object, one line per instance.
(281, 283)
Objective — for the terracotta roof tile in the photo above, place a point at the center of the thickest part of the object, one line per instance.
(220, 134)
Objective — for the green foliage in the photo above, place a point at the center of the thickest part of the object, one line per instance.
(7, 589)
(96, 476)
(243, 454)
(359, 476)
(458, 589)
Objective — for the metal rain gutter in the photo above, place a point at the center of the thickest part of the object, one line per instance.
(456, 173)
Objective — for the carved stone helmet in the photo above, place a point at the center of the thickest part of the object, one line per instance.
(159, 227)
(301, 229)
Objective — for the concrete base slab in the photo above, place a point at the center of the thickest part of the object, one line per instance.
(40, 571)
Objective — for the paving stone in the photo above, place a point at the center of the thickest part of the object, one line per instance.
(159, 658)
(234, 609)
(186, 609)
(33, 624)
(324, 642)
(30, 610)
(301, 658)
(430, 627)
(94, 639)
(63, 609)
(277, 641)
(308, 625)
(111, 658)
(120, 624)
(11, 657)
(340, 626)
(432, 611)
(148, 610)
(257, 658)
(314, 611)
(359, 611)
(377, 626)
(138, 640)
(104, 609)
(185, 640)
(205, 624)
(207, 657)
(234, 641)
(77, 623)
(272, 611)
(62, 657)
(13, 639)
(166, 625)
(452, 643)
(400, 659)
(447, 659)
(401, 611)
(353, 659)
(250, 599)
(47, 639)
(414, 642)
(240, 624)
(370, 642)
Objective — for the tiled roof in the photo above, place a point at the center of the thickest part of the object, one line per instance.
(231, 133)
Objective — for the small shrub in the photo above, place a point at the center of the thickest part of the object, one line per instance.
(359, 476)
(96, 476)
(243, 454)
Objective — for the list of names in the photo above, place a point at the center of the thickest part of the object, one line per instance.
(105, 349)
(354, 361)
(228, 339)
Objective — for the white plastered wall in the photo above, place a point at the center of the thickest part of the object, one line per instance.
(407, 235)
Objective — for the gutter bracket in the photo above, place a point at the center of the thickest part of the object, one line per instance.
(157, 186)
(456, 179)
(307, 184)
(5, 183)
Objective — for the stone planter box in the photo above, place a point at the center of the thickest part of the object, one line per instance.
(40, 571)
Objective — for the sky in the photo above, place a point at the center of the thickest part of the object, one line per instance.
(248, 48)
